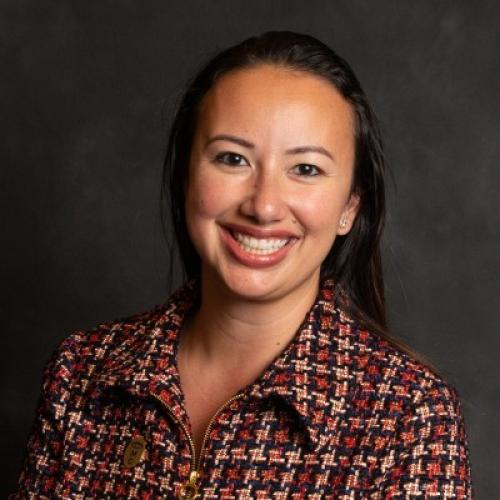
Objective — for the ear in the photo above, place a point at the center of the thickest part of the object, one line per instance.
(349, 214)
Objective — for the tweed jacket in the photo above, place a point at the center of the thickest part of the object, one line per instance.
(340, 413)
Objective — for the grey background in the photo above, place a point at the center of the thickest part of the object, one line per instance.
(86, 90)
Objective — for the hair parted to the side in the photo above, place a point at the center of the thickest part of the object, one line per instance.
(354, 261)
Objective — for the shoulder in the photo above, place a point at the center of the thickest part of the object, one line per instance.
(83, 350)
(417, 406)
(393, 380)
(83, 355)
(413, 417)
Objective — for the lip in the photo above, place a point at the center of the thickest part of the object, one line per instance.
(251, 260)
(260, 233)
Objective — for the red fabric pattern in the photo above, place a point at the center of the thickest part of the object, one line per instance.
(340, 414)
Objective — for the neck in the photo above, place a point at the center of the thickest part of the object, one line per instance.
(238, 337)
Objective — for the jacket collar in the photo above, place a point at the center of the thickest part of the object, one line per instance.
(311, 375)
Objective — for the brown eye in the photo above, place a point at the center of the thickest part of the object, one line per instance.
(306, 170)
(231, 159)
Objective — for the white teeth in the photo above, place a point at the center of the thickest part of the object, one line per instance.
(258, 245)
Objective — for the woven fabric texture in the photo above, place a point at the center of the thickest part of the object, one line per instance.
(340, 413)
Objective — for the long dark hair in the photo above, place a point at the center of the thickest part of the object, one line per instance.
(354, 261)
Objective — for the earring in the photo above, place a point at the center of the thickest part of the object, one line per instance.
(343, 222)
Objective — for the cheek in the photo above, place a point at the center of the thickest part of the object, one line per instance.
(318, 214)
(206, 198)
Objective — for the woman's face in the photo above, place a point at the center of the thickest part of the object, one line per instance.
(269, 180)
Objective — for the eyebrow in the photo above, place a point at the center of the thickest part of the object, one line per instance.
(247, 144)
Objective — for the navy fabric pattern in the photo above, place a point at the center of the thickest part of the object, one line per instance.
(340, 413)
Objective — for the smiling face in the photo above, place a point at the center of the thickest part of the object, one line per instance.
(269, 185)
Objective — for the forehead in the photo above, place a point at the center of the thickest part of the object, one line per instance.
(273, 102)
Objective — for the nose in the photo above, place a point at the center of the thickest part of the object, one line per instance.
(266, 202)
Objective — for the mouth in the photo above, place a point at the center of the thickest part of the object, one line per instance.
(259, 246)
(255, 247)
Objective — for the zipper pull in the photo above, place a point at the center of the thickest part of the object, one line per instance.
(190, 490)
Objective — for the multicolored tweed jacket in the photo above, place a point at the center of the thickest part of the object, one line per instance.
(338, 414)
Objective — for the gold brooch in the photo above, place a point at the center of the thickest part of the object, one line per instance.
(134, 451)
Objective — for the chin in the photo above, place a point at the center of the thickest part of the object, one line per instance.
(258, 285)
(253, 288)
(251, 285)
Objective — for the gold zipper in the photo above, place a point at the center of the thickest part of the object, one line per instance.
(190, 489)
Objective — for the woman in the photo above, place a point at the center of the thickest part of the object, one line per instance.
(270, 373)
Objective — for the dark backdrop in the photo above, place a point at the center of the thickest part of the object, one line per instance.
(85, 89)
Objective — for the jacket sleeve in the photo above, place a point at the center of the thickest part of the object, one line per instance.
(431, 457)
(41, 467)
